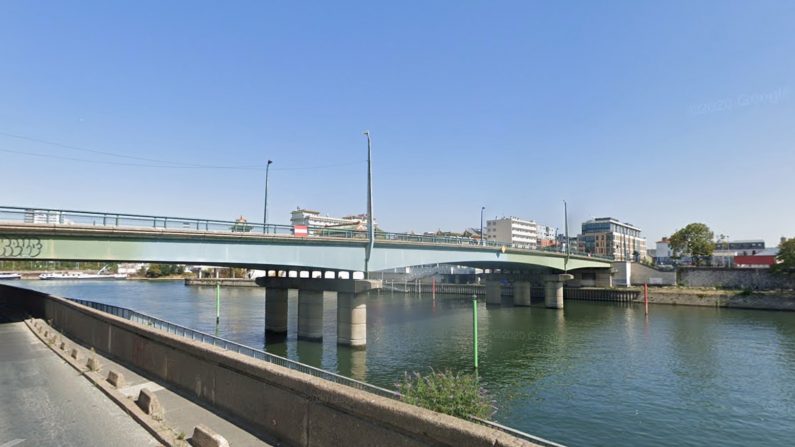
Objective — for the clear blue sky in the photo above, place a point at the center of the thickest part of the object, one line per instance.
(656, 113)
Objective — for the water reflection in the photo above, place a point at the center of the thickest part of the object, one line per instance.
(352, 363)
(309, 352)
(276, 344)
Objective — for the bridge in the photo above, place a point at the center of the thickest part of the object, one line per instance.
(315, 260)
(46, 234)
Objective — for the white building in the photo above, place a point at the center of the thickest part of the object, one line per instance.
(313, 218)
(512, 231)
(130, 268)
(43, 217)
(546, 236)
(663, 253)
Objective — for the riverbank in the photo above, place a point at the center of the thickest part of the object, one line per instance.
(159, 278)
(224, 282)
(762, 300)
(35, 276)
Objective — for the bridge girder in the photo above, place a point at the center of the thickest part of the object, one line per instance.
(72, 243)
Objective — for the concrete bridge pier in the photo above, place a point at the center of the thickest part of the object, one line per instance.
(276, 311)
(352, 319)
(493, 292)
(351, 306)
(310, 314)
(521, 293)
(553, 296)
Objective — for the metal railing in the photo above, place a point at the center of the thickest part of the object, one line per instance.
(517, 433)
(222, 343)
(46, 216)
(228, 345)
(140, 221)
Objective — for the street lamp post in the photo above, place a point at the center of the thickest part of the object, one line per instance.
(265, 217)
(482, 236)
(370, 228)
(568, 248)
(724, 244)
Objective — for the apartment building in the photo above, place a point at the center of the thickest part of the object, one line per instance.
(312, 218)
(607, 236)
(43, 217)
(513, 232)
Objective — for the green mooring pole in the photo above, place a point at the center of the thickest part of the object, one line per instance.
(475, 328)
(217, 302)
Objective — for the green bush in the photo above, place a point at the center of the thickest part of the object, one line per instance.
(447, 392)
(160, 270)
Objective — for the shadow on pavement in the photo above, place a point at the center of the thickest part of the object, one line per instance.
(10, 313)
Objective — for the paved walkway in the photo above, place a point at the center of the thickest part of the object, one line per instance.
(180, 413)
(45, 402)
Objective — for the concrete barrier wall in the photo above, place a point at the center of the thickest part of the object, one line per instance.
(295, 408)
(642, 274)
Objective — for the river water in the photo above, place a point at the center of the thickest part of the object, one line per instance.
(594, 374)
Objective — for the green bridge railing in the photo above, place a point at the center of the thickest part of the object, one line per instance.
(57, 217)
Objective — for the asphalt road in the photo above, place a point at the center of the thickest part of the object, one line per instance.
(44, 402)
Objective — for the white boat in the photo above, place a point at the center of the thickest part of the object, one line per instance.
(101, 274)
(9, 275)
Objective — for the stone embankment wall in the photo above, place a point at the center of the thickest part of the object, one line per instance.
(642, 274)
(720, 298)
(295, 408)
(728, 278)
(734, 278)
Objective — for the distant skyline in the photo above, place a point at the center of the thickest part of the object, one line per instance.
(657, 114)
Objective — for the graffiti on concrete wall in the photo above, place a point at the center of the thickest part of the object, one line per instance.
(20, 247)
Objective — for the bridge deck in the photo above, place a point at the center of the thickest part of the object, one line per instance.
(118, 238)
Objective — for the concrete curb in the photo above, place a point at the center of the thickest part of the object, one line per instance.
(204, 437)
(163, 434)
(116, 379)
(148, 402)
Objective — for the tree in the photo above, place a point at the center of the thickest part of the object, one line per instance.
(694, 240)
(160, 270)
(154, 271)
(785, 257)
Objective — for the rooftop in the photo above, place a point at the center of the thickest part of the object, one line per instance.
(610, 220)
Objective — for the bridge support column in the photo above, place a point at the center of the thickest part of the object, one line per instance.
(310, 314)
(493, 292)
(553, 296)
(352, 319)
(351, 305)
(276, 311)
(521, 293)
